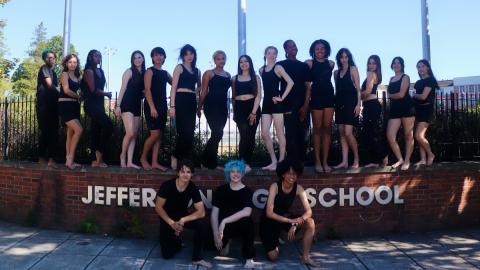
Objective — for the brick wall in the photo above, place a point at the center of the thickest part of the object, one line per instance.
(446, 195)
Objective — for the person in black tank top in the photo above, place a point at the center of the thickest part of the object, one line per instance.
(128, 107)
(373, 133)
(183, 102)
(213, 99)
(155, 107)
(69, 106)
(276, 215)
(401, 113)
(92, 86)
(272, 107)
(347, 105)
(321, 101)
(424, 105)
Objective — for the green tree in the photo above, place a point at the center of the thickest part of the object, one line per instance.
(3, 2)
(38, 41)
(6, 65)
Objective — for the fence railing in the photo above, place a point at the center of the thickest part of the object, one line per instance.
(454, 133)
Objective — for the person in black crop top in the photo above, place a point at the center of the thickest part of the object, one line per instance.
(401, 113)
(272, 107)
(231, 212)
(347, 105)
(155, 107)
(215, 85)
(246, 95)
(424, 104)
(276, 216)
(92, 85)
(321, 101)
(47, 112)
(129, 105)
(69, 106)
(183, 102)
(373, 135)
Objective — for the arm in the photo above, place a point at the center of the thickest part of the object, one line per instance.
(176, 74)
(214, 223)
(199, 81)
(147, 81)
(89, 78)
(234, 78)
(253, 115)
(272, 192)
(369, 85)
(66, 88)
(424, 95)
(403, 88)
(197, 214)
(176, 226)
(303, 199)
(356, 82)
(245, 212)
(125, 78)
(280, 71)
(203, 93)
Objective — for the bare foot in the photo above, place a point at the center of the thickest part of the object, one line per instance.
(99, 164)
(420, 163)
(77, 165)
(271, 167)
(327, 168)
(319, 168)
(309, 262)
(173, 162)
(342, 165)
(146, 166)
(405, 166)
(397, 164)
(385, 161)
(134, 166)
(430, 159)
(52, 164)
(70, 166)
(371, 165)
(123, 164)
(355, 165)
(203, 263)
(159, 167)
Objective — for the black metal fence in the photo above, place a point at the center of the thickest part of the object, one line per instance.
(454, 133)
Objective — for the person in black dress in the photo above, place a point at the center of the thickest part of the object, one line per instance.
(276, 217)
(231, 212)
(424, 104)
(213, 99)
(47, 111)
(373, 136)
(129, 106)
(186, 82)
(347, 105)
(69, 106)
(246, 95)
(171, 205)
(401, 113)
(155, 107)
(321, 101)
(295, 104)
(92, 86)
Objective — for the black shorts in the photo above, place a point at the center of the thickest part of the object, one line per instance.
(401, 109)
(132, 106)
(322, 99)
(155, 123)
(268, 107)
(69, 110)
(424, 113)
(269, 230)
(345, 114)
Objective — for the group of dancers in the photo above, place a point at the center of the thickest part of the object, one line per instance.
(291, 89)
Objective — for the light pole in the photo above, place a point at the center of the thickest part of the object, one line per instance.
(242, 28)
(66, 27)
(425, 31)
(109, 52)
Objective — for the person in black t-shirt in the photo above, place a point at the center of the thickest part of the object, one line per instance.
(171, 205)
(47, 112)
(231, 212)
(276, 216)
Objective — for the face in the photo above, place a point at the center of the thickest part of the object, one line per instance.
(372, 65)
(96, 58)
(244, 64)
(185, 174)
(422, 69)
(344, 59)
(235, 176)
(50, 59)
(138, 60)
(320, 51)
(158, 59)
(72, 64)
(188, 57)
(290, 176)
(291, 49)
(397, 66)
(271, 55)
(219, 60)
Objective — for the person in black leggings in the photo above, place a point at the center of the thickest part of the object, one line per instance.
(92, 88)
(246, 95)
(215, 85)
(47, 112)
(373, 135)
(183, 102)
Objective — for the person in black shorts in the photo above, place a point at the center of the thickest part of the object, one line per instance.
(272, 106)
(213, 99)
(401, 113)
(47, 111)
(276, 217)
(129, 106)
(347, 105)
(231, 213)
(321, 101)
(424, 104)
(171, 205)
(155, 107)
(92, 86)
(69, 106)
(186, 82)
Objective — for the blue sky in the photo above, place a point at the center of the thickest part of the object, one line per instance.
(383, 27)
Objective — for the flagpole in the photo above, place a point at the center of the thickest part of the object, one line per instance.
(66, 27)
(425, 30)
(242, 39)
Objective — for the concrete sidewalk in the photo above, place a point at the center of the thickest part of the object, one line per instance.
(31, 248)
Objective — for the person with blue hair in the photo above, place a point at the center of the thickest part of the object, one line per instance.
(231, 212)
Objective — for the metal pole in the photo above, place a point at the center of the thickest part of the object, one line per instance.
(425, 31)
(242, 21)
(66, 27)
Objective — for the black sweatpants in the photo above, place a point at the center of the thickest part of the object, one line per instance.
(242, 228)
(171, 244)
(373, 134)
(216, 120)
(242, 110)
(185, 116)
(101, 127)
(296, 132)
(47, 116)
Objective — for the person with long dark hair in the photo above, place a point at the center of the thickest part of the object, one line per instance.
(47, 111)
(322, 101)
(424, 104)
(92, 86)
(295, 104)
(275, 218)
(347, 105)
(401, 113)
(246, 95)
(213, 99)
(231, 213)
(183, 102)
(272, 106)
(69, 106)
(373, 136)
(129, 106)
(172, 205)
(155, 107)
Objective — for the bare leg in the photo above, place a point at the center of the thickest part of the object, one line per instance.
(326, 134)
(77, 130)
(392, 129)
(267, 139)
(343, 142)
(278, 124)
(352, 143)
(133, 141)
(307, 242)
(408, 124)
